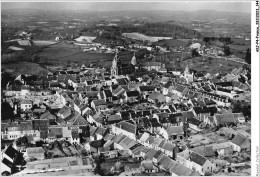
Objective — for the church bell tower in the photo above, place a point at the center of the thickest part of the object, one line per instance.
(114, 67)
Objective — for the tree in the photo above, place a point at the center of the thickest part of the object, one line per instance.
(248, 56)
(194, 53)
(227, 51)
(7, 112)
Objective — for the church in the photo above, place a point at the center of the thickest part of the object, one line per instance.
(119, 68)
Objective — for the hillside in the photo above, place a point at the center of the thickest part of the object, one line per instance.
(24, 68)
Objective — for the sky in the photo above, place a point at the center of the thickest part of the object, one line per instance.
(144, 6)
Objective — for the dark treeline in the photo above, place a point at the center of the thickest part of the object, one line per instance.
(225, 40)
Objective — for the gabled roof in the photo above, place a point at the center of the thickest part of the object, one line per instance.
(157, 95)
(226, 118)
(127, 126)
(147, 88)
(76, 119)
(150, 154)
(144, 137)
(47, 115)
(26, 102)
(121, 81)
(132, 94)
(162, 143)
(206, 151)
(10, 151)
(194, 121)
(158, 154)
(181, 170)
(65, 111)
(118, 138)
(99, 102)
(175, 130)
(157, 141)
(168, 146)
(114, 117)
(118, 90)
(239, 139)
(34, 150)
(40, 124)
(108, 136)
(197, 158)
(101, 131)
(108, 93)
(55, 132)
(180, 88)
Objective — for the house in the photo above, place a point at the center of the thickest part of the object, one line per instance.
(99, 105)
(201, 164)
(75, 139)
(240, 143)
(19, 129)
(156, 143)
(169, 149)
(112, 119)
(156, 98)
(131, 96)
(53, 166)
(173, 133)
(206, 151)
(136, 151)
(26, 105)
(157, 156)
(126, 128)
(83, 109)
(93, 146)
(107, 152)
(223, 149)
(195, 161)
(107, 95)
(118, 91)
(157, 66)
(25, 90)
(8, 159)
(101, 132)
(226, 119)
(181, 170)
(146, 90)
(64, 112)
(147, 166)
(96, 119)
(75, 119)
(195, 124)
(180, 90)
(117, 141)
(34, 153)
(167, 88)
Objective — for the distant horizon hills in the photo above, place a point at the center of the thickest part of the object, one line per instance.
(120, 11)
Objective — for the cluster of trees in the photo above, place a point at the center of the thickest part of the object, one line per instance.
(224, 40)
(227, 50)
(248, 56)
(242, 106)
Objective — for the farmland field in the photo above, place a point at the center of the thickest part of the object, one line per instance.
(62, 53)
(212, 66)
(25, 68)
(142, 37)
(44, 43)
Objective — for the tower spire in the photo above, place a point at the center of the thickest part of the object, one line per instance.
(114, 68)
(133, 61)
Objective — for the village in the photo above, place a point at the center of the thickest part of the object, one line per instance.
(125, 93)
(115, 122)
